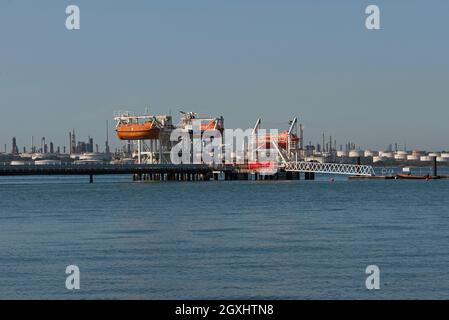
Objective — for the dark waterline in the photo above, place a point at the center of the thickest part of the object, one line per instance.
(225, 240)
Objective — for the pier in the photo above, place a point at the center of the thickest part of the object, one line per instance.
(146, 172)
(202, 172)
(183, 172)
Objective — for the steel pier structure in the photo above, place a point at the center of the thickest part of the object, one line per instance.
(184, 172)
(140, 171)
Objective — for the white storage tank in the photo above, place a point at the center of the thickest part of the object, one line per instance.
(441, 159)
(342, 154)
(377, 159)
(370, 153)
(400, 157)
(47, 162)
(425, 158)
(92, 156)
(21, 163)
(354, 154)
(388, 155)
(412, 157)
(445, 155)
(434, 154)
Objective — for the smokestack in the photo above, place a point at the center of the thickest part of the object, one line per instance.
(324, 143)
(43, 145)
(15, 148)
(107, 150)
(70, 142)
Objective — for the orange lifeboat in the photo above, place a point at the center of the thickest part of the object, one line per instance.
(281, 139)
(191, 122)
(211, 125)
(138, 131)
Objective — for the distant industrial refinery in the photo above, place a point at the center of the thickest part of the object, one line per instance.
(146, 140)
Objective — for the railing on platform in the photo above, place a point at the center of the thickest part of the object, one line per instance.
(330, 168)
(62, 169)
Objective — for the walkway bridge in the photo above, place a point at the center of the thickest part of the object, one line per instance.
(329, 168)
(326, 168)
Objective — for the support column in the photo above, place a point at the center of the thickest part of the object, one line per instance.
(309, 176)
(435, 166)
(160, 149)
(139, 151)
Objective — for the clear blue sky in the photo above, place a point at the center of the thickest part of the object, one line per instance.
(239, 58)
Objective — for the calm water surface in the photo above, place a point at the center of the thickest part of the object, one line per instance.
(223, 240)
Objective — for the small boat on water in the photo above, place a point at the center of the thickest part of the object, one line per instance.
(410, 176)
(407, 174)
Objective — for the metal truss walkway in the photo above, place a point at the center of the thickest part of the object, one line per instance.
(327, 168)
(330, 168)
